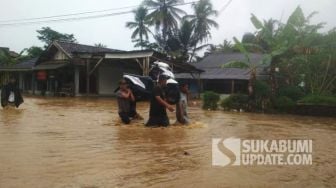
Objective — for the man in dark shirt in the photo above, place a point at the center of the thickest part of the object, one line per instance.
(126, 102)
(158, 105)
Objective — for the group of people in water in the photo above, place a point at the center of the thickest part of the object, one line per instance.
(11, 96)
(158, 104)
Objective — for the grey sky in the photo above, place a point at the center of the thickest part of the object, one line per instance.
(234, 21)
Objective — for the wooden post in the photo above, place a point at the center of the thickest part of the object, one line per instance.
(144, 67)
(33, 83)
(200, 85)
(232, 86)
(87, 77)
(76, 81)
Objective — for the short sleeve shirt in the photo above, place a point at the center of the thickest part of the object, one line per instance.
(157, 109)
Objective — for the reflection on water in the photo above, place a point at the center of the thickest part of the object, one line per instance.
(81, 143)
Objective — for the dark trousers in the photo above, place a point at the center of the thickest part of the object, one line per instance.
(158, 121)
(125, 116)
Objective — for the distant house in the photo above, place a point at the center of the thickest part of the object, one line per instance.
(75, 69)
(219, 79)
(10, 53)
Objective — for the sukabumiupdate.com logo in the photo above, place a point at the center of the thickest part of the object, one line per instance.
(236, 152)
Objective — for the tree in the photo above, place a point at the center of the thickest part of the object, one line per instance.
(247, 64)
(182, 41)
(202, 22)
(32, 52)
(48, 35)
(140, 25)
(165, 15)
(5, 59)
(303, 54)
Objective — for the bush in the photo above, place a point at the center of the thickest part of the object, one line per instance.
(319, 100)
(292, 92)
(235, 102)
(210, 100)
(262, 93)
(284, 104)
(262, 89)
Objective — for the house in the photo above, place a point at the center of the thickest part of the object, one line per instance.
(218, 79)
(67, 68)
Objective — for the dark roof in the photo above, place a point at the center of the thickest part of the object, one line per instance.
(213, 66)
(72, 48)
(23, 66)
(51, 65)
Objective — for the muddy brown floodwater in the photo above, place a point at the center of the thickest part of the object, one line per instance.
(79, 142)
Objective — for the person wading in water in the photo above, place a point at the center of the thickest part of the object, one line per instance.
(11, 95)
(158, 105)
(126, 103)
(181, 106)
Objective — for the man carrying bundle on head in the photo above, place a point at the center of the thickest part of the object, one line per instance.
(126, 102)
(158, 105)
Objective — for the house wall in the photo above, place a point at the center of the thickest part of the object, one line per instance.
(60, 56)
(109, 75)
(217, 85)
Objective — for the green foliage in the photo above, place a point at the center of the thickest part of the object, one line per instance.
(236, 64)
(262, 95)
(182, 41)
(319, 100)
(235, 102)
(210, 100)
(33, 52)
(165, 15)
(292, 92)
(284, 104)
(140, 25)
(48, 35)
(201, 20)
(262, 89)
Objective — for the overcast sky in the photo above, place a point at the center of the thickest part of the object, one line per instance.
(111, 31)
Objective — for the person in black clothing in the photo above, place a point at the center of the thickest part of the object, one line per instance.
(10, 94)
(158, 105)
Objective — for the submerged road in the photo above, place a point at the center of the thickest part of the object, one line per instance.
(79, 142)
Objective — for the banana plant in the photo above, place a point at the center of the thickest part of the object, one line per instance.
(246, 63)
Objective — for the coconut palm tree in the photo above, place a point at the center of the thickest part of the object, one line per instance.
(201, 20)
(165, 15)
(140, 25)
(182, 41)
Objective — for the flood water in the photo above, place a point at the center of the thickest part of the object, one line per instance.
(79, 142)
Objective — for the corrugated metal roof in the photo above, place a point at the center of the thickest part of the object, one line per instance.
(213, 67)
(22, 66)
